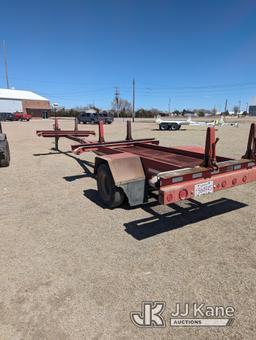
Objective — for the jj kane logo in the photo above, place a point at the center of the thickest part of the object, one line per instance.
(184, 315)
(150, 315)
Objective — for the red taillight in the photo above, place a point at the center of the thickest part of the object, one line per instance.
(183, 194)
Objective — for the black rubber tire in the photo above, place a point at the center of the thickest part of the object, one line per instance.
(6, 160)
(110, 195)
(163, 127)
(174, 126)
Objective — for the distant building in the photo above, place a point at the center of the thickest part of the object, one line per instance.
(252, 107)
(24, 101)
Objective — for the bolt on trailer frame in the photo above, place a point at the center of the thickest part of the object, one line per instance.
(136, 168)
(57, 133)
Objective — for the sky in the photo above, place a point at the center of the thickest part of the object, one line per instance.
(194, 54)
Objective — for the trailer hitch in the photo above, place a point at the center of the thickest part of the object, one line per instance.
(251, 146)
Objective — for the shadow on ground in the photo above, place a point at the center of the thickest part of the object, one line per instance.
(83, 163)
(178, 217)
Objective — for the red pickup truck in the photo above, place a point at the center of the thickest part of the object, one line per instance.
(21, 116)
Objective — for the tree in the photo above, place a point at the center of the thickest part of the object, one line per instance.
(236, 109)
(123, 106)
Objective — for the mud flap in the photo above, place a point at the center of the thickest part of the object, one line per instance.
(135, 192)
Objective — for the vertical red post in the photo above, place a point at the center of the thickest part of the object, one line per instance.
(101, 132)
(210, 148)
(129, 130)
(251, 145)
(76, 124)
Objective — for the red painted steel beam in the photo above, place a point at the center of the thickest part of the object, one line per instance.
(78, 149)
(64, 133)
(186, 190)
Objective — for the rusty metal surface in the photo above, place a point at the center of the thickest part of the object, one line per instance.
(174, 160)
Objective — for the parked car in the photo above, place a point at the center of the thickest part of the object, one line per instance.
(94, 118)
(6, 116)
(22, 116)
(4, 149)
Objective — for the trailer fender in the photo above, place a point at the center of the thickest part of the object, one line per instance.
(128, 173)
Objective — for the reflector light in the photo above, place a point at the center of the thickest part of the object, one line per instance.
(234, 181)
(224, 184)
(177, 179)
(198, 175)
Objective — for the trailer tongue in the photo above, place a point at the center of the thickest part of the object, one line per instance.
(137, 168)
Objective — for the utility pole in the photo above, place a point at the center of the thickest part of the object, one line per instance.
(169, 106)
(226, 105)
(133, 100)
(6, 66)
(239, 105)
(117, 94)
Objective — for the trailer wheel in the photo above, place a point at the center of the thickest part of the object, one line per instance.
(110, 195)
(163, 127)
(6, 160)
(174, 127)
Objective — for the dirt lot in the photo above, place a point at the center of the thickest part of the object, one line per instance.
(71, 269)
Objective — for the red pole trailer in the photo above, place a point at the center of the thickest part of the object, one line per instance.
(134, 169)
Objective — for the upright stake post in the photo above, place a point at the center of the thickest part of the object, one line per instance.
(129, 130)
(210, 149)
(56, 128)
(101, 132)
(76, 124)
(251, 145)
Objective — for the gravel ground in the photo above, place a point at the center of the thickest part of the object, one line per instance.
(71, 269)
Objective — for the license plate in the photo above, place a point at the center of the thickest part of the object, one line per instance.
(204, 188)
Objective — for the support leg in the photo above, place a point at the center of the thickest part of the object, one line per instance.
(57, 143)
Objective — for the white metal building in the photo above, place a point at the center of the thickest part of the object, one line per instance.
(23, 101)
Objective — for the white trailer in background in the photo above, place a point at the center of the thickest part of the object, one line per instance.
(173, 124)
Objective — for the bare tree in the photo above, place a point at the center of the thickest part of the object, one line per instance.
(123, 106)
(236, 109)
